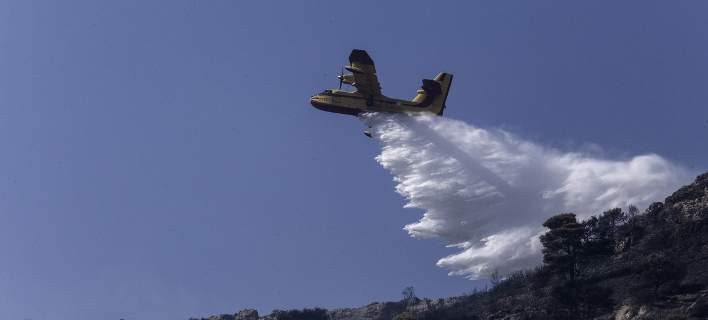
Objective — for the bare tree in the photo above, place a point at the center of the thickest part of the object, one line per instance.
(408, 294)
(632, 211)
(495, 278)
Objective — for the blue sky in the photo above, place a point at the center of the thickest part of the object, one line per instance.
(160, 160)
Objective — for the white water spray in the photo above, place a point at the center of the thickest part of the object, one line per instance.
(487, 192)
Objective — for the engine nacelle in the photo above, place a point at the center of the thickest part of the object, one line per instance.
(347, 78)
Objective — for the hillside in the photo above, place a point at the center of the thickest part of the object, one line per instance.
(619, 265)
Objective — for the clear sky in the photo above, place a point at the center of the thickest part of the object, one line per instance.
(160, 160)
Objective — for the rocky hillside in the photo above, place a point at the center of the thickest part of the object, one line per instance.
(620, 265)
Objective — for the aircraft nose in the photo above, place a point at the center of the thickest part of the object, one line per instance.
(316, 101)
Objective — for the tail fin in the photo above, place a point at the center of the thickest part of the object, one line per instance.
(433, 94)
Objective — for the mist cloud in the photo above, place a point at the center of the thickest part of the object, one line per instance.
(487, 192)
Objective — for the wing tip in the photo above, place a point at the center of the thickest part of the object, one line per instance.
(360, 56)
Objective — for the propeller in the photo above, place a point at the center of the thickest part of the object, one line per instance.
(341, 78)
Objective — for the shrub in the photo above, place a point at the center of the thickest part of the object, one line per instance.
(304, 314)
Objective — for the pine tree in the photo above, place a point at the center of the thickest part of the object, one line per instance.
(562, 244)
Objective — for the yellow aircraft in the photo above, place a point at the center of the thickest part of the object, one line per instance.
(368, 98)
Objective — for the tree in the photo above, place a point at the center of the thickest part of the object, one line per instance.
(632, 211)
(613, 218)
(601, 233)
(631, 230)
(562, 244)
(409, 295)
(495, 278)
(596, 239)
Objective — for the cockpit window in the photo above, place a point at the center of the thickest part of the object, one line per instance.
(327, 91)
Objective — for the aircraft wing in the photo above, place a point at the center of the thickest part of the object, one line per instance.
(362, 67)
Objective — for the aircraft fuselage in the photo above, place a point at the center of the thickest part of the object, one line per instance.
(353, 103)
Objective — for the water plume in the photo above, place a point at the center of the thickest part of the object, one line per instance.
(487, 192)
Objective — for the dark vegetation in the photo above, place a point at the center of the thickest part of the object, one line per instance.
(622, 263)
(311, 314)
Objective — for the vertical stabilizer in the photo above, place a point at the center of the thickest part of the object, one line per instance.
(433, 93)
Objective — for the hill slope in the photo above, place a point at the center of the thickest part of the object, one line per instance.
(656, 267)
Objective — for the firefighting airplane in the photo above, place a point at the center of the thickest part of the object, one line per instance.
(368, 98)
